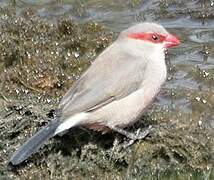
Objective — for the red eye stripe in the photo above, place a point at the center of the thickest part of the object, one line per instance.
(152, 37)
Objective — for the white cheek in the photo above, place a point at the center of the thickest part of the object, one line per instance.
(158, 52)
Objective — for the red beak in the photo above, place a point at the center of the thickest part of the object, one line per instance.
(171, 41)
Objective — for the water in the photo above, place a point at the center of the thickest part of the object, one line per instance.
(187, 98)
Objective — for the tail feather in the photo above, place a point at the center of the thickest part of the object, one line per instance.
(34, 143)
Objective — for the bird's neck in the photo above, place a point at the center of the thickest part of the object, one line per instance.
(155, 72)
(152, 57)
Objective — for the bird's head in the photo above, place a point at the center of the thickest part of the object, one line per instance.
(150, 34)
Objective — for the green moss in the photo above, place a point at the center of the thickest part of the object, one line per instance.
(39, 61)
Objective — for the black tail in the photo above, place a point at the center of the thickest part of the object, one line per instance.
(34, 143)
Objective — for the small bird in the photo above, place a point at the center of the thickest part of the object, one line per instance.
(115, 90)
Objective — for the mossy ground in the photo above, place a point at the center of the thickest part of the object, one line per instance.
(39, 61)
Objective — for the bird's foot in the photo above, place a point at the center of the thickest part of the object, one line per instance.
(132, 136)
(142, 134)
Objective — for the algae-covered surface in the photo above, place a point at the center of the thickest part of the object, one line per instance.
(44, 48)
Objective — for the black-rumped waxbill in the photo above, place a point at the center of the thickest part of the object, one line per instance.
(115, 90)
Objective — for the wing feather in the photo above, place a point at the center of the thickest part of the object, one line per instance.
(106, 80)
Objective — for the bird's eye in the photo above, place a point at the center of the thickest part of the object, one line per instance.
(154, 37)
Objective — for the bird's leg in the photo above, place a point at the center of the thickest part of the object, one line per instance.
(139, 135)
(132, 136)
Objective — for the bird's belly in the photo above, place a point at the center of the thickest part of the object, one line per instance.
(123, 112)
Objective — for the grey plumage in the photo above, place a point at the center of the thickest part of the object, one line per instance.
(34, 143)
(115, 73)
(144, 27)
(104, 81)
(113, 92)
